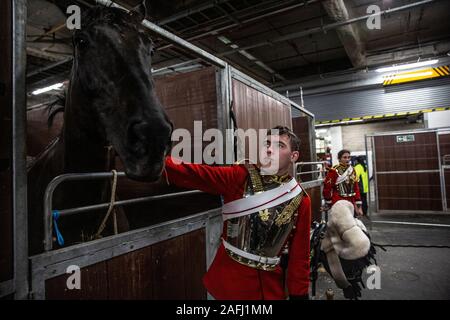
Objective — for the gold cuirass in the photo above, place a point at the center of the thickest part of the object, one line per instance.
(262, 233)
(347, 187)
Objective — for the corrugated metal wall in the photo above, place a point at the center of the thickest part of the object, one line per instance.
(374, 101)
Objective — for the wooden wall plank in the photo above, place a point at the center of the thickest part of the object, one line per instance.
(195, 264)
(130, 275)
(300, 126)
(316, 198)
(420, 154)
(94, 285)
(413, 191)
(254, 109)
(168, 275)
(171, 269)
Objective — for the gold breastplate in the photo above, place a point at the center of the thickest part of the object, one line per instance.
(262, 233)
(347, 187)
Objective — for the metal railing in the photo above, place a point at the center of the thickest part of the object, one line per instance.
(48, 200)
(320, 169)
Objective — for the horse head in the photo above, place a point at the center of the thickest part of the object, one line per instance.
(111, 98)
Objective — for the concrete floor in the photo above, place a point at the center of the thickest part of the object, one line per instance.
(406, 273)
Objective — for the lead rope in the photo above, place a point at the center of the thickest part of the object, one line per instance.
(110, 209)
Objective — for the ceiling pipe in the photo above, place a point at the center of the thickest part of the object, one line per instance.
(325, 28)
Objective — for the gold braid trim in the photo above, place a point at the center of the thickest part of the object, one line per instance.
(255, 178)
(288, 211)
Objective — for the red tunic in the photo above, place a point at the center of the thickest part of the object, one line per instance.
(330, 190)
(226, 278)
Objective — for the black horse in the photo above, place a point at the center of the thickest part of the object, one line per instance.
(111, 101)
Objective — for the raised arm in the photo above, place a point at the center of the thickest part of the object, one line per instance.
(211, 179)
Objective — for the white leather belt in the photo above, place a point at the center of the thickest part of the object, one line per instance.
(261, 201)
(266, 260)
(345, 175)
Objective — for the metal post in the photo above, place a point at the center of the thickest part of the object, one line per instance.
(374, 172)
(19, 150)
(312, 141)
(224, 123)
(368, 171)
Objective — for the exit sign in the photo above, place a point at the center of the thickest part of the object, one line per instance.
(405, 138)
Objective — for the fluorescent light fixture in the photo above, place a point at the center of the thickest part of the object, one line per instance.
(52, 87)
(224, 39)
(408, 66)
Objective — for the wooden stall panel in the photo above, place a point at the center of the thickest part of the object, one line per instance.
(190, 97)
(94, 285)
(195, 266)
(316, 197)
(254, 109)
(168, 270)
(444, 147)
(6, 214)
(412, 191)
(393, 155)
(130, 275)
(301, 127)
(444, 150)
(171, 269)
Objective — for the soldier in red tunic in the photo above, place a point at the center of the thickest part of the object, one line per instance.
(266, 218)
(341, 183)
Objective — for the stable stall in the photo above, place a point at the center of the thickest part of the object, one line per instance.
(175, 232)
(411, 170)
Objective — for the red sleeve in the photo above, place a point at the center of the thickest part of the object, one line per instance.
(328, 184)
(210, 179)
(298, 266)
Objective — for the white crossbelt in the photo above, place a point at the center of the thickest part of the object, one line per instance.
(251, 256)
(345, 175)
(261, 201)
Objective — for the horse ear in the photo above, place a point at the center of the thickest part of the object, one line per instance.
(140, 11)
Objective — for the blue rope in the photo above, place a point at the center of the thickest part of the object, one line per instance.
(59, 236)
